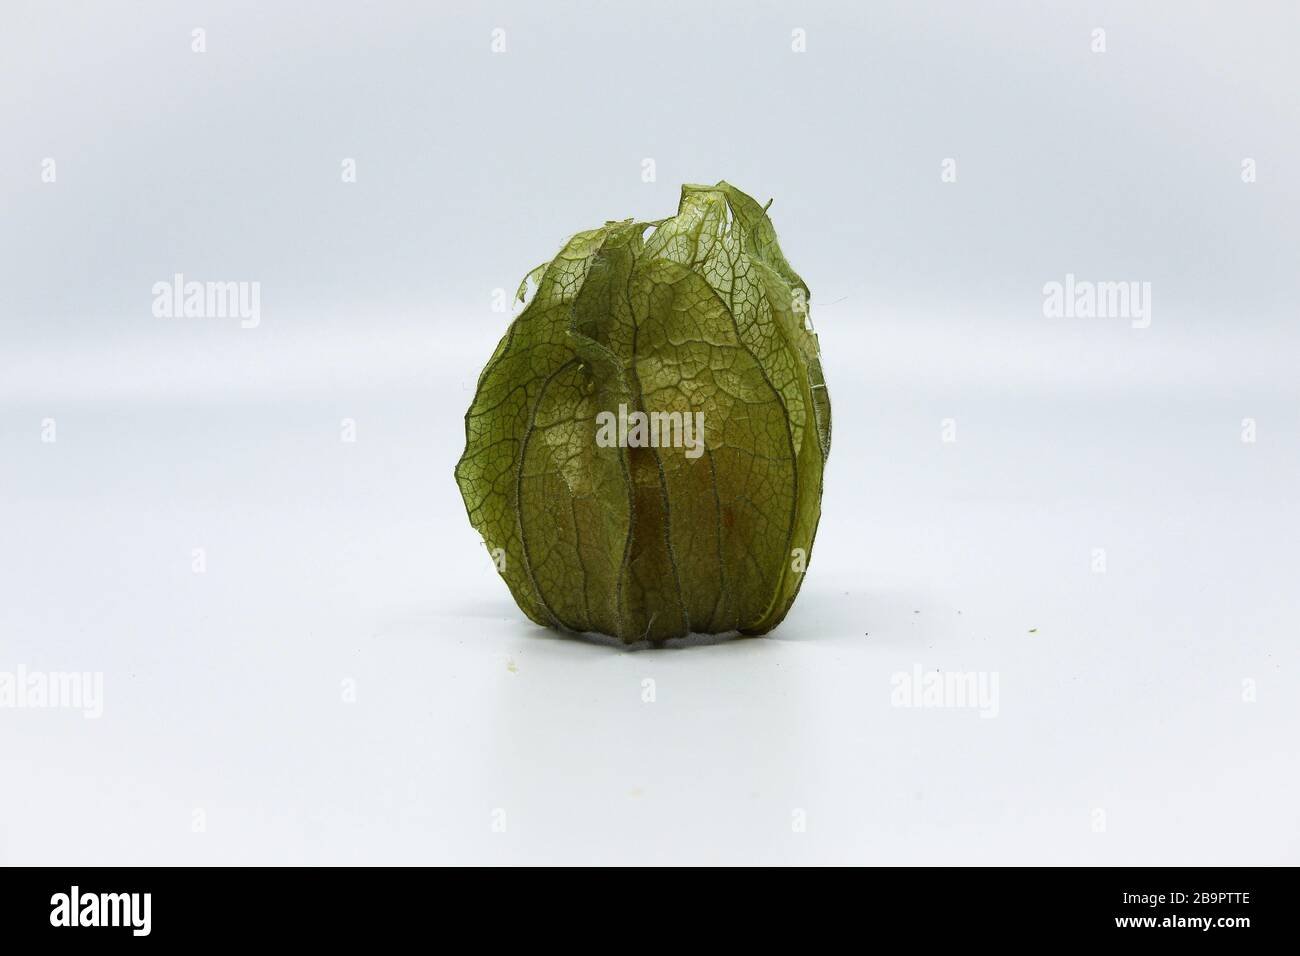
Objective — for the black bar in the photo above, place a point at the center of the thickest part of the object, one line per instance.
(364, 905)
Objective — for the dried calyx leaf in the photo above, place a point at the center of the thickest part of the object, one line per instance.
(644, 452)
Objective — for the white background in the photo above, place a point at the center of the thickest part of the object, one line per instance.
(1121, 694)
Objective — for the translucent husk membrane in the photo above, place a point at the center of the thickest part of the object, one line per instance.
(699, 313)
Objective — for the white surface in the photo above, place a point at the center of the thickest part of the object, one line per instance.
(328, 562)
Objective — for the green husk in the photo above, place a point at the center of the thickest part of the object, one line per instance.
(697, 313)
